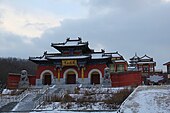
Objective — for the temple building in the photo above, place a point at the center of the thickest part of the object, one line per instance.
(145, 64)
(167, 64)
(134, 61)
(76, 64)
(168, 67)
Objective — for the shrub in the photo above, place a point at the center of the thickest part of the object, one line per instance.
(67, 98)
(117, 98)
(77, 90)
(17, 92)
(66, 105)
(53, 98)
(87, 93)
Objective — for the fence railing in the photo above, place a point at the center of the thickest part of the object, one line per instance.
(40, 101)
(5, 99)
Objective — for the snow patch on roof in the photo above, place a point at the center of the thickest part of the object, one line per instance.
(119, 61)
(145, 62)
(68, 57)
(98, 56)
(116, 55)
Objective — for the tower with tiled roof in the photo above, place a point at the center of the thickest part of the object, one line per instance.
(134, 60)
(168, 66)
(145, 64)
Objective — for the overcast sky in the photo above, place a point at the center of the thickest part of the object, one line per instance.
(28, 27)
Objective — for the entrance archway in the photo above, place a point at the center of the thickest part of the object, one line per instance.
(46, 77)
(95, 76)
(70, 76)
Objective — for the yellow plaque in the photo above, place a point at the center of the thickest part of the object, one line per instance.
(69, 62)
(113, 58)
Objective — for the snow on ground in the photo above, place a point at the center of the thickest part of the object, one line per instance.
(99, 94)
(148, 99)
(6, 91)
(70, 112)
(24, 104)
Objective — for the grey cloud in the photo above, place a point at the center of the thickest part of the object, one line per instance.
(140, 26)
(145, 31)
(12, 45)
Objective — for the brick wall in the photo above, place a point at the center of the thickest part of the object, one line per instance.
(126, 79)
(13, 80)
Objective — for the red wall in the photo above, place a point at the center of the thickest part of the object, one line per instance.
(73, 67)
(40, 69)
(118, 79)
(126, 79)
(100, 67)
(32, 80)
(13, 80)
(88, 68)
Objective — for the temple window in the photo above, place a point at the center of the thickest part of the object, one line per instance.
(145, 69)
(151, 68)
(140, 68)
(120, 67)
(112, 68)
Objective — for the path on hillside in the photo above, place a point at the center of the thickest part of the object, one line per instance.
(26, 104)
(31, 100)
(8, 107)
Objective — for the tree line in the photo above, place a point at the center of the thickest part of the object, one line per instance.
(15, 65)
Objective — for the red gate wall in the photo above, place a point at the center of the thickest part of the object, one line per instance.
(126, 79)
(13, 80)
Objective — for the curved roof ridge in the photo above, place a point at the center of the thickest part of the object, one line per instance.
(146, 57)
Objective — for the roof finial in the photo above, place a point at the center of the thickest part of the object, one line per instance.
(79, 38)
(102, 50)
(68, 39)
(45, 52)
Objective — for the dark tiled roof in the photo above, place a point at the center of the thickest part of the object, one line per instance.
(168, 63)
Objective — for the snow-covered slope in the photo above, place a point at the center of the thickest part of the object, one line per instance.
(148, 99)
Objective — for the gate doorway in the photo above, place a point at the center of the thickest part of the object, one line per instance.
(71, 77)
(95, 78)
(47, 79)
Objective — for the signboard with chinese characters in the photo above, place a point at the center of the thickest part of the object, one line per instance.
(69, 62)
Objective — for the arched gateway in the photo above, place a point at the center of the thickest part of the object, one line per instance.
(95, 76)
(46, 77)
(70, 76)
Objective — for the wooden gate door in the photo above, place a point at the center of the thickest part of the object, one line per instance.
(71, 79)
(47, 79)
(95, 79)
